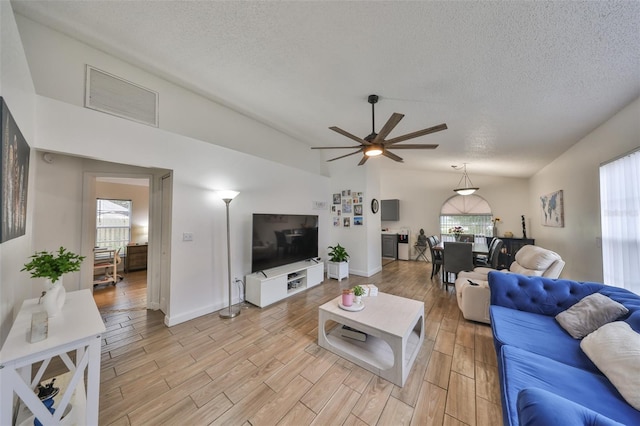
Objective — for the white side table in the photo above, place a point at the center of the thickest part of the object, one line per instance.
(78, 327)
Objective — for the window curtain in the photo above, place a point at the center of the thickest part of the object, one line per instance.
(620, 216)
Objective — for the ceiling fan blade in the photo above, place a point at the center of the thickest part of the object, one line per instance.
(423, 132)
(335, 147)
(364, 160)
(388, 127)
(416, 146)
(349, 135)
(392, 156)
(347, 155)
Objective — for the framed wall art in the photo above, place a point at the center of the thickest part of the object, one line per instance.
(552, 209)
(14, 177)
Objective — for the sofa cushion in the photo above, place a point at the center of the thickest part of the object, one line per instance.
(589, 314)
(538, 407)
(539, 334)
(539, 295)
(521, 369)
(615, 349)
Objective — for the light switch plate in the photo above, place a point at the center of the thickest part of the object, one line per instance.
(187, 236)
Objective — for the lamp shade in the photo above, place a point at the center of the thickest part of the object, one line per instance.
(227, 194)
(465, 191)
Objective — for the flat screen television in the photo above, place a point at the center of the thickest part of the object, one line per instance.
(280, 239)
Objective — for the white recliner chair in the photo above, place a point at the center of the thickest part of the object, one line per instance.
(474, 300)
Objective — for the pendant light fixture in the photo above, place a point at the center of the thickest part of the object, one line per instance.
(468, 187)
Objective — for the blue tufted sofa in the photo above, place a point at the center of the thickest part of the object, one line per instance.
(545, 378)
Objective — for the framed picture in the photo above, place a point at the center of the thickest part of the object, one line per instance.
(14, 177)
(337, 199)
(357, 209)
(357, 221)
(346, 222)
(336, 221)
(552, 209)
(346, 205)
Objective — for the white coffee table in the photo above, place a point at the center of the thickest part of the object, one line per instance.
(395, 331)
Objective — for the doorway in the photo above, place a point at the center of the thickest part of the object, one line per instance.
(122, 231)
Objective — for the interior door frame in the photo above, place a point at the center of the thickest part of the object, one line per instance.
(89, 226)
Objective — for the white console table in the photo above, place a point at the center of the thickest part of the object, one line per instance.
(79, 328)
(272, 285)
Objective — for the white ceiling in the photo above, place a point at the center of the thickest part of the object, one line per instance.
(517, 83)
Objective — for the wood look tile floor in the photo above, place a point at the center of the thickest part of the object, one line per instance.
(265, 367)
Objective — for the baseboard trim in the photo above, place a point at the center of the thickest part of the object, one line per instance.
(170, 321)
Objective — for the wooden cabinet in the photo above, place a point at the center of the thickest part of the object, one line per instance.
(281, 282)
(136, 257)
(390, 245)
(510, 248)
(390, 210)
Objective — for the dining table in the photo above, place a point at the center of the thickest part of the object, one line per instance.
(476, 248)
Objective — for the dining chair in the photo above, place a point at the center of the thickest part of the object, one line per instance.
(457, 257)
(491, 261)
(436, 256)
(466, 238)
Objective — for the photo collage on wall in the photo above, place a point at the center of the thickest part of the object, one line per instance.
(347, 208)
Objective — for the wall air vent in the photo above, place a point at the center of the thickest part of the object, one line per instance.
(110, 94)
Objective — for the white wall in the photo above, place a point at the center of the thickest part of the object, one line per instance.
(58, 64)
(361, 242)
(198, 268)
(422, 195)
(18, 92)
(576, 172)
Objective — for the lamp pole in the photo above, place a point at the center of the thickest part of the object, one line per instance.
(230, 311)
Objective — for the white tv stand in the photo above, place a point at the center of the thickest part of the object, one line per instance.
(283, 281)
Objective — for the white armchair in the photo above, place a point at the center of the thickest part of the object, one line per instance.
(474, 300)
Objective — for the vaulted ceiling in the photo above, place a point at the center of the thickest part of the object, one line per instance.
(517, 83)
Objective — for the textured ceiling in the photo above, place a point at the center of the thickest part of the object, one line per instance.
(517, 83)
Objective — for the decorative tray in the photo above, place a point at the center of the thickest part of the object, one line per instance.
(353, 308)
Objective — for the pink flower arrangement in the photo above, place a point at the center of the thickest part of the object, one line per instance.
(456, 230)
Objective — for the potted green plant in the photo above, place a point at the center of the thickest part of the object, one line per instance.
(338, 264)
(358, 292)
(52, 266)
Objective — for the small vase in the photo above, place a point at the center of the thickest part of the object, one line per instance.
(54, 297)
(347, 298)
(457, 237)
(357, 300)
(495, 231)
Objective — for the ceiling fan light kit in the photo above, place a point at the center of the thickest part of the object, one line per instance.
(373, 150)
(376, 144)
(467, 188)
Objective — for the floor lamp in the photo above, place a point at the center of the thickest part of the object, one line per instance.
(230, 311)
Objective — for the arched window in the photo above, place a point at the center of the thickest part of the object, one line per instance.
(472, 212)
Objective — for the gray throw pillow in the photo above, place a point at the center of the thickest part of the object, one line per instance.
(589, 314)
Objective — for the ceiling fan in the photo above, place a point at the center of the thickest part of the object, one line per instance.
(375, 144)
